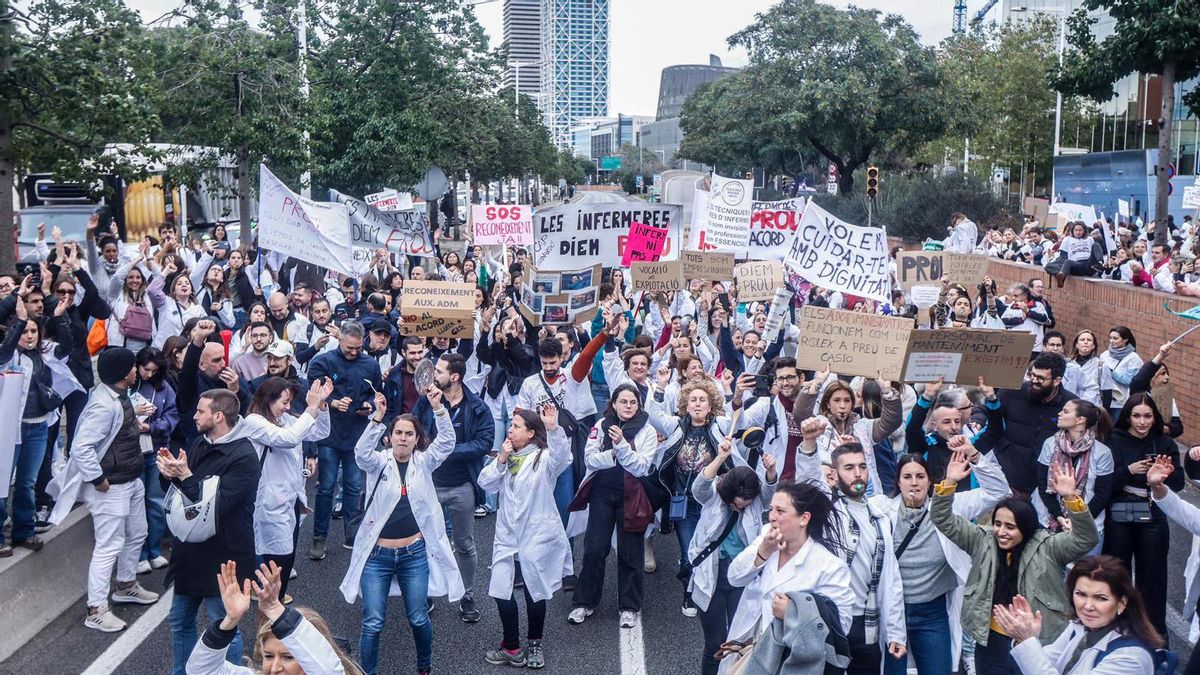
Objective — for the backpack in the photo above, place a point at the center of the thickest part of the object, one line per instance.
(1165, 661)
(137, 324)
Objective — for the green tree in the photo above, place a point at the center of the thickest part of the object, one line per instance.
(1149, 36)
(74, 77)
(636, 162)
(844, 85)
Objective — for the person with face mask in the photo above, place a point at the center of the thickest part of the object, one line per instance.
(402, 542)
(530, 540)
(1014, 557)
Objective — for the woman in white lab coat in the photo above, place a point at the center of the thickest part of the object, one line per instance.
(529, 532)
(401, 546)
(792, 553)
(278, 436)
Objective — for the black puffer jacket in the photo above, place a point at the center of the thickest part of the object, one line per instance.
(1017, 427)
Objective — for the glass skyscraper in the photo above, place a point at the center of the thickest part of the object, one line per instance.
(574, 64)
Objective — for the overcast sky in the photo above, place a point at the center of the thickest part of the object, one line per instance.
(649, 35)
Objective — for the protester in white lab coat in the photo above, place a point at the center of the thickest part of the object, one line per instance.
(278, 436)
(401, 546)
(530, 538)
(964, 234)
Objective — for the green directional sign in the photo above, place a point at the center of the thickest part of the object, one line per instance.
(610, 163)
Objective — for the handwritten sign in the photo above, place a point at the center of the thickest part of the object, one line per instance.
(390, 200)
(839, 256)
(576, 235)
(927, 267)
(437, 309)
(707, 265)
(999, 356)
(645, 244)
(502, 225)
(779, 309)
(405, 232)
(925, 297)
(758, 280)
(665, 275)
(315, 232)
(729, 208)
(772, 226)
(852, 343)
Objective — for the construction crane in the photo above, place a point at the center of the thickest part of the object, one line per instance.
(960, 16)
(977, 20)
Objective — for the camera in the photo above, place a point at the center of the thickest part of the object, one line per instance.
(31, 270)
(762, 385)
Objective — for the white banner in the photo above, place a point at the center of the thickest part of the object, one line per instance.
(772, 226)
(574, 236)
(839, 256)
(315, 232)
(11, 407)
(390, 200)
(405, 232)
(729, 207)
(1123, 208)
(1075, 212)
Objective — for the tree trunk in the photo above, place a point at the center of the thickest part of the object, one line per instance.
(243, 180)
(1166, 124)
(846, 179)
(8, 240)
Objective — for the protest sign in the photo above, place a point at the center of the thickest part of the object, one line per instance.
(852, 343)
(390, 200)
(12, 404)
(502, 225)
(572, 236)
(567, 296)
(928, 267)
(772, 226)
(779, 310)
(758, 280)
(924, 297)
(708, 265)
(405, 232)
(315, 232)
(437, 309)
(729, 207)
(1191, 197)
(645, 243)
(1074, 212)
(663, 275)
(839, 256)
(963, 355)
(1122, 208)
(1038, 208)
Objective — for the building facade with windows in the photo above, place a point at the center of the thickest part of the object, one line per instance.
(523, 35)
(575, 64)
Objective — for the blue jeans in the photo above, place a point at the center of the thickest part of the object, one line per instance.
(329, 462)
(410, 567)
(27, 461)
(156, 521)
(239, 318)
(183, 629)
(928, 639)
(564, 492)
(684, 529)
(600, 395)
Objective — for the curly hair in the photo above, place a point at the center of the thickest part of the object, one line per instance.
(715, 399)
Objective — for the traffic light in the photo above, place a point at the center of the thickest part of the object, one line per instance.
(872, 181)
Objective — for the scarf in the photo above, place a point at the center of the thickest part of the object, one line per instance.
(515, 460)
(1119, 353)
(1078, 453)
(629, 429)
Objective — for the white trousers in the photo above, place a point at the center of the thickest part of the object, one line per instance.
(119, 523)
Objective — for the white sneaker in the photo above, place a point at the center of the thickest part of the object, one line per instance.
(578, 614)
(143, 567)
(159, 562)
(294, 574)
(104, 621)
(628, 619)
(650, 563)
(134, 595)
(689, 610)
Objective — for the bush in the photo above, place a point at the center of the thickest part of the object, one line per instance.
(918, 206)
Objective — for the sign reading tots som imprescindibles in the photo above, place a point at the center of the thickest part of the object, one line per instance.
(839, 256)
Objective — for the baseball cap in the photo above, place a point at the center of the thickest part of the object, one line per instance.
(383, 326)
(280, 349)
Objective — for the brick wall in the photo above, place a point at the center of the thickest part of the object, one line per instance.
(1099, 306)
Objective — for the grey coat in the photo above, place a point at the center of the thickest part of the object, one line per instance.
(794, 645)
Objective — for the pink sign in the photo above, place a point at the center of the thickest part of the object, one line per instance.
(645, 244)
(511, 224)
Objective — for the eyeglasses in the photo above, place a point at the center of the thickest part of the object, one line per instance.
(65, 291)
(786, 378)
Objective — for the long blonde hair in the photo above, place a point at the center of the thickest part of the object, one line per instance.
(264, 631)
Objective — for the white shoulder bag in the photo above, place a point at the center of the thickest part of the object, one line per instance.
(193, 522)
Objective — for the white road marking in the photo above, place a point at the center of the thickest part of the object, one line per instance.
(633, 650)
(132, 638)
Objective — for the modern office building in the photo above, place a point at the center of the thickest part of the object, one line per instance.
(523, 35)
(663, 136)
(598, 137)
(574, 59)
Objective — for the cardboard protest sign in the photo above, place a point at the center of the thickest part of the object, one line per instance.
(502, 225)
(708, 265)
(405, 232)
(1073, 212)
(772, 226)
(315, 232)
(1036, 207)
(924, 297)
(573, 236)
(390, 200)
(437, 309)
(928, 267)
(729, 207)
(963, 355)
(758, 280)
(839, 256)
(779, 310)
(645, 243)
(852, 343)
(663, 275)
(569, 296)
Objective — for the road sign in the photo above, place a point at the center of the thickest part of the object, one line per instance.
(831, 180)
(658, 181)
(433, 185)
(610, 163)
(640, 182)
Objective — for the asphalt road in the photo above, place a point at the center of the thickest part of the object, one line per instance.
(665, 643)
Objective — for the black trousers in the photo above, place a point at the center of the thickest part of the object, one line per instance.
(1143, 548)
(865, 659)
(512, 623)
(606, 511)
(287, 562)
(995, 658)
(717, 618)
(72, 408)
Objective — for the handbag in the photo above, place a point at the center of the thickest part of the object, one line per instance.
(637, 511)
(1136, 512)
(193, 522)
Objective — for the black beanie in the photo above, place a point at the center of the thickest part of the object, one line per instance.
(114, 365)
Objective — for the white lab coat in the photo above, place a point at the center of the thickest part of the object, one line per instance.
(280, 449)
(444, 578)
(99, 424)
(993, 488)
(1034, 659)
(776, 441)
(637, 460)
(812, 570)
(528, 527)
(713, 514)
(1188, 517)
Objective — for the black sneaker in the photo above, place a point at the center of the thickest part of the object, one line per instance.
(337, 511)
(467, 611)
(568, 582)
(33, 543)
(41, 520)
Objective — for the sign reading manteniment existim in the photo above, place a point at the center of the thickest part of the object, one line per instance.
(852, 343)
(502, 224)
(572, 236)
(834, 254)
(963, 355)
(437, 309)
